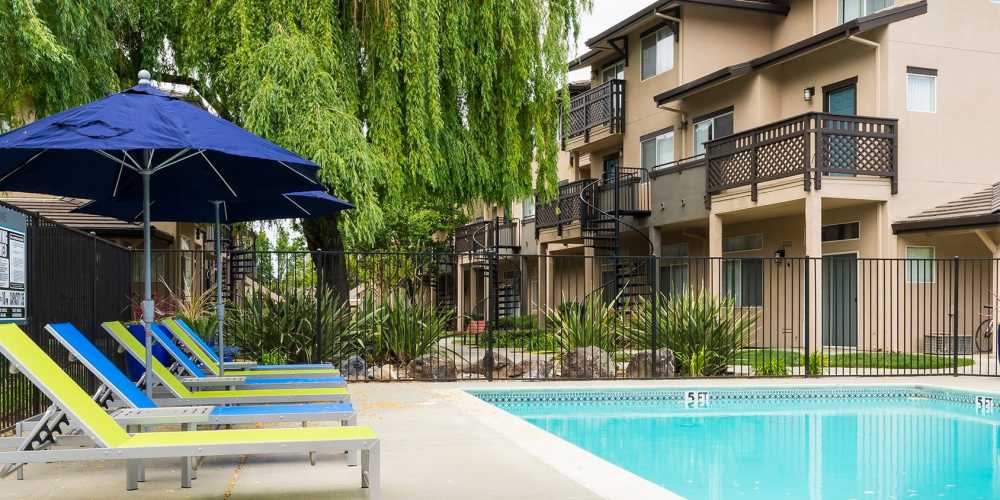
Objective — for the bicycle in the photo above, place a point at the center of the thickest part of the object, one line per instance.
(984, 333)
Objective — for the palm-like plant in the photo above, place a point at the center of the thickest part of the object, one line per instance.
(592, 323)
(404, 328)
(704, 332)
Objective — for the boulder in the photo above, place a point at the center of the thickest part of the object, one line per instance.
(501, 365)
(533, 369)
(641, 365)
(432, 367)
(586, 362)
(353, 366)
(383, 373)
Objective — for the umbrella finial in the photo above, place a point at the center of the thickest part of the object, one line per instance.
(143, 77)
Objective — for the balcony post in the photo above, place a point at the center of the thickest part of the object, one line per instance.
(754, 166)
(807, 152)
(820, 151)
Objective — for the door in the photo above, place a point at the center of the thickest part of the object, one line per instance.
(840, 300)
(606, 193)
(842, 99)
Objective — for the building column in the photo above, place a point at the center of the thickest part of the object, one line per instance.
(814, 250)
(459, 295)
(715, 254)
(473, 289)
(656, 239)
(589, 263)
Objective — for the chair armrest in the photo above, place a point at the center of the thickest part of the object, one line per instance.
(160, 416)
(227, 381)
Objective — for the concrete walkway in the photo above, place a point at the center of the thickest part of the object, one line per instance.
(433, 446)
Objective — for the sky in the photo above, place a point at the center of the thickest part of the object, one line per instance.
(603, 15)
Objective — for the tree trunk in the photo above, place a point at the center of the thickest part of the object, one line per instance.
(323, 233)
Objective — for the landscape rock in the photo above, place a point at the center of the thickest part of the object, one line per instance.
(586, 362)
(432, 367)
(501, 365)
(353, 366)
(383, 373)
(533, 369)
(641, 365)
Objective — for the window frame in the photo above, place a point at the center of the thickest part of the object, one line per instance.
(525, 203)
(711, 117)
(736, 293)
(862, 12)
(642, 55)
(928, 73)
(761, 247)
(858, 222)
(655, 137)
(932, 260)
(614, 65)
(670, 262)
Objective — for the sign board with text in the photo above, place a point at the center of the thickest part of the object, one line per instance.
(13, 267)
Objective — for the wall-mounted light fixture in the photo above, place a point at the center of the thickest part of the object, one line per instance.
(779, 253)
(808, 93)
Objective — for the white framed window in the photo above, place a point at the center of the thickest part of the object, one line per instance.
(674, 268)
(657, 149)
(846, 231)
(920, 264)
(614, 71)
(921, 90)
(657, 52)
(714, 127)
(853, 9)
(528, 207)
(743, 243)
(743, 281)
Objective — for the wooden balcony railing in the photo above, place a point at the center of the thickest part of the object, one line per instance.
(603, 105)
(563, 210)
(627, 193)
(812, 145)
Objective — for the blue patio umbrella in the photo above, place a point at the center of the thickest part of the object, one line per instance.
(304, 204)
(114, 147)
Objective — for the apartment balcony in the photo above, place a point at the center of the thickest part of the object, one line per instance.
(500, 235)
(596, 118)
(626, 194)
(812, 146)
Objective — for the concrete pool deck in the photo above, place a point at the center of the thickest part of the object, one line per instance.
(437, 443)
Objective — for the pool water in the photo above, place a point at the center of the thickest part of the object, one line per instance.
(776, 444)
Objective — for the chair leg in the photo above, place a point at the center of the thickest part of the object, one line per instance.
(20, 472)
(371, 475)
(186, 472)
(191, 461)
(131, 475)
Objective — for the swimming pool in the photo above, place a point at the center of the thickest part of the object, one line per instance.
(770, 443)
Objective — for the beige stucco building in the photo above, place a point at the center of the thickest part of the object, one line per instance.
(742, 129)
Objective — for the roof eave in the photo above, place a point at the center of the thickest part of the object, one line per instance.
(963, 222)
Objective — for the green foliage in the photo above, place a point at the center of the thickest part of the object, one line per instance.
(528, 339)
(276, 357)
(402, 329)
(519, 322)
(705, 333)
(816, 363)
(772, 368)
(267, 324)
(590, 323)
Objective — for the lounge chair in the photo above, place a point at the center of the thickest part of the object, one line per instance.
(185, 397)
(198, 378)
(114, 443)
(193, 342)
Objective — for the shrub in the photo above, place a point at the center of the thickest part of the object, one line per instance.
(403, 329)
(816, 363)
(704, 332)
(529, 339)
(771, 368)
(519, 322)
(589, 324)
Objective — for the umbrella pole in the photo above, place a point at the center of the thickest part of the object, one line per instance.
(220, 307)
(147, 299)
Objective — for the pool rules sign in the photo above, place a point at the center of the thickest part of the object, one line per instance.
(13, 292)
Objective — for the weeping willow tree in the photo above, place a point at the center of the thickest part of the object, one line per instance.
(399, 101)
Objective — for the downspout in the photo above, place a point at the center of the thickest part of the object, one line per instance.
(878, 69)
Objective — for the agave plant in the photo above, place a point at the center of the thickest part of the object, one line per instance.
(591, 323)
(402, 329)
(705, 332)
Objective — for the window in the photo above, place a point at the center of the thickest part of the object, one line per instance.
(920, 265)
(657, 52)
(743, 281)
(715, 126)
(657, 149)
(528, 207)
(841, 232)
(674, 268)
(743, 243)
(853, 9)
(614, 71)
(921, 90)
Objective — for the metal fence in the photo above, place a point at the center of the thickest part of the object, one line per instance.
(490, 316)
(71, 276)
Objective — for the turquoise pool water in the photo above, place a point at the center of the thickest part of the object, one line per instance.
(843, 443)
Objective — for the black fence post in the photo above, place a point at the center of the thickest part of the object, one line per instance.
(320, 268)
(654, 322)
(954, 316)
(806, 309)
